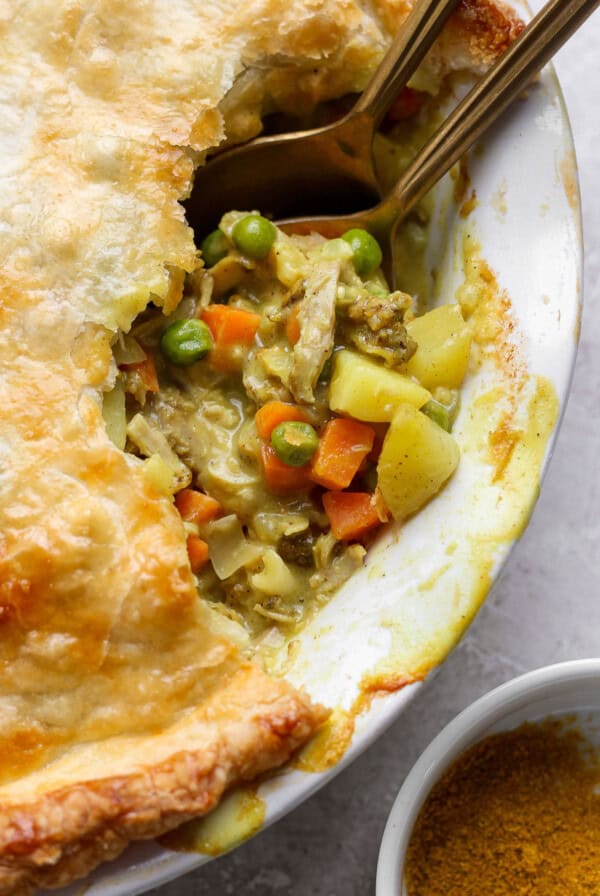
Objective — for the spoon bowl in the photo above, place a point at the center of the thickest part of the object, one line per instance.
(293, 174)
(331, 167)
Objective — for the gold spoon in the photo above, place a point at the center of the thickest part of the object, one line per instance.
(330, 167)
(504, 82)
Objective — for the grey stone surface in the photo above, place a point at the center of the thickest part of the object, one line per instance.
(545, 608)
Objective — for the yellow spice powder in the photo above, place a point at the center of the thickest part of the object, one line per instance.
(516, 815)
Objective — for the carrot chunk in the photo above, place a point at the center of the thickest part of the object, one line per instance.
(292, 326)
(196, 507)
(197, 552)
(231, 326)
(233, 331)
(281, 477)
(146, 371)
(275, 412)
(351, 514)
(343, 446)
(407, 103)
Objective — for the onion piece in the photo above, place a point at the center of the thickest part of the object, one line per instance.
(127, 350)
(228, 547)
(150, 440)
(270, 527)
(113, 411)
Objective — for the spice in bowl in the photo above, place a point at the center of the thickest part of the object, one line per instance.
(517, 814)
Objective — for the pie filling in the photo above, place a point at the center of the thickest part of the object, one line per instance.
(292, 404)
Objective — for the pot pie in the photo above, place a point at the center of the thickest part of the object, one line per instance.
(128, 702)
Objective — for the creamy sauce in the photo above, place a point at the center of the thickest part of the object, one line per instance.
(328, 745)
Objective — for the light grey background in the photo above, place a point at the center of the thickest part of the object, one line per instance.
(545, 608)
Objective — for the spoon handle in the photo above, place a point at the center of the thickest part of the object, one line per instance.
(408, 48)
(505, 81)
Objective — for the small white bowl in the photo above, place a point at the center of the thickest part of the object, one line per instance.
(571, 688)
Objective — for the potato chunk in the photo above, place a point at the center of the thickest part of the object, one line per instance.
(443, 345)
(418, 456)
(367, 391)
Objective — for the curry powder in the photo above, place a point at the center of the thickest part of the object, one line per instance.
(516, 815)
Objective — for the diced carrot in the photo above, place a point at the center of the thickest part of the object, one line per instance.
(364, 465)
(350, 514)
(196, 507)
(226, 360)
(292, 326)
(407, 103)
(233, 330)
(231, 326)
(197, 552)
(146, 371)
(275, 412)
(342, 448)
(279, 476)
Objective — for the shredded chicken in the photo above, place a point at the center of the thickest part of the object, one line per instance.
(265, 380)
(316, 318)
(206, 441)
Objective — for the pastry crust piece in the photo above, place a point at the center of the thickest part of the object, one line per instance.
(99, 797)
(125, 702)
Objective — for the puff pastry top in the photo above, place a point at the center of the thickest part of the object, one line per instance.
(105, 109)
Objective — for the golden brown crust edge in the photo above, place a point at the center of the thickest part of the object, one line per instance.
(252, 724)
(478, 32)
(489, 29)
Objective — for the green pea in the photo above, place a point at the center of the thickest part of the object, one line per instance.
(294, 443)
(186, 341)
(366, 251)
(214, 247)
(439, 413)
(254, 236)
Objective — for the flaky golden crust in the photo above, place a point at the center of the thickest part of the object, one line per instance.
(476, 35)
(485, 29)
(105, 108)
(249, 725)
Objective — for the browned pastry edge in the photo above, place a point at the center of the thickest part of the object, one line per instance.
(253, 723)
(488, 27)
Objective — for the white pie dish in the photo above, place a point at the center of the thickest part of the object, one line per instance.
(571, 689)
(526, 162)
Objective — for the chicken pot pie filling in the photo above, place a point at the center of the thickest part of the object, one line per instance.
(127, 704)
(287, 405)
